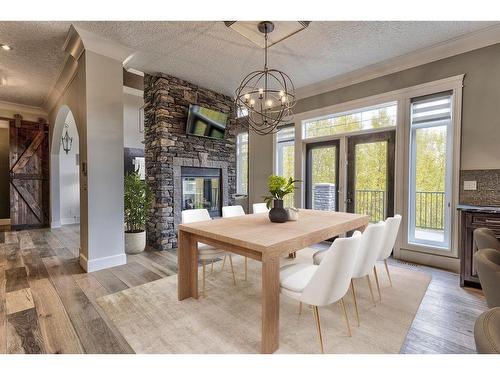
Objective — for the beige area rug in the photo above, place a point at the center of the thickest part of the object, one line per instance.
(228, 320)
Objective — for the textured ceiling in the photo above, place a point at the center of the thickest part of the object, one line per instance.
(31, 68)
(210, 54)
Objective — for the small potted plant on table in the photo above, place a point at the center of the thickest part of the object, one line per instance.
(279, 187)
(137, 199)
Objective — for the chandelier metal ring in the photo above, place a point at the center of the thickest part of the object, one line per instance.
(267, 95)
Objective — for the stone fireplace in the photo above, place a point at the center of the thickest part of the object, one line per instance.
(184, 169)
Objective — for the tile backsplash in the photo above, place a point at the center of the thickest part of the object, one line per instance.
(488, 187)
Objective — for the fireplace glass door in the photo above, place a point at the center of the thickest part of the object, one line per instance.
(201, 189)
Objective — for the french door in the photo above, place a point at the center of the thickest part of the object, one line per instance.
(322, 175)
(370, 174)
(430, 177)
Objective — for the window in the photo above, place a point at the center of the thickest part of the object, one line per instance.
(381, 116)
(285, 150)
(431, 140)
(242, 164)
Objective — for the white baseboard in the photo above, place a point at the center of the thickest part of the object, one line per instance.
(4, 221)
(450, 264)
(102, 263)
(69, 220)
(55, 224)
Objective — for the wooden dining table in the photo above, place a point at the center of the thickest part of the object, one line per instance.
(256, 237)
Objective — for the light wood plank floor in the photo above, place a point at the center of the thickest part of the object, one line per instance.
(48, 304)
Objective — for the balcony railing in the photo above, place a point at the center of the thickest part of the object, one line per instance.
(429, 207)
(429, 210)
(371, 203)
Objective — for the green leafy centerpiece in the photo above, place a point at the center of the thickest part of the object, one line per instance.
(279, 187)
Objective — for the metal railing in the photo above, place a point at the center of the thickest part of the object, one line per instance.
(429, 210)
(371, 203)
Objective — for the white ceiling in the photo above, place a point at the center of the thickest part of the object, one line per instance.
(212, 55)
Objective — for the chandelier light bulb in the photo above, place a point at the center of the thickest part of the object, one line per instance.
(252, 102)
(282, 93)
(269, 103)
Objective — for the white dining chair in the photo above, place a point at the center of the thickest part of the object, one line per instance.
(233, 211)
(259, 208)
(371, 243)
(205, 252)
(324, 284)
(391, 234)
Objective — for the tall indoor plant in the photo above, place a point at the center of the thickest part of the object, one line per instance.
(137, 199)
(279, 187)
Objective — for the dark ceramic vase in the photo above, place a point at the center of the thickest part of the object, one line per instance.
(278, 214)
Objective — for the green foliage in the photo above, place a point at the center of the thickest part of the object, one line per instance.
(279, 187)
(137, 199)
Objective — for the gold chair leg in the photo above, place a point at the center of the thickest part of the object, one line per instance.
(346, 317)
(246, 268)
(371, 290)
(232, 269)
(355, 302)
(203, 282)
(223, 263)
(387, 269)
(376, 280)
(318, 327)
(300, 308)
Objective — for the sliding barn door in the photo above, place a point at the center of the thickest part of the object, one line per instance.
(29, 174)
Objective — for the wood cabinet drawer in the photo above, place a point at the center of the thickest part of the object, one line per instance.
(488, 220)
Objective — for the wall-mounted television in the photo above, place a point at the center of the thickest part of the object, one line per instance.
(205, 122)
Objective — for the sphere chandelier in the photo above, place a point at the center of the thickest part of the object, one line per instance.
(267, 95)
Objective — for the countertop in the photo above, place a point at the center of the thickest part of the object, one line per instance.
(486, 209)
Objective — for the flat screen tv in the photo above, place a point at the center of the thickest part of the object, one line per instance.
(205, 122)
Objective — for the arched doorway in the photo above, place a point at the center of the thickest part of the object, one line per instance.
(65, 177)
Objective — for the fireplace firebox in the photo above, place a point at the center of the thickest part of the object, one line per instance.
(201, 188)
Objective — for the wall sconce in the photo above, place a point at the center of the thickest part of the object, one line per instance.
(67, 141)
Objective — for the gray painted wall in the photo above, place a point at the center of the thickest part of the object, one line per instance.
(260, 166)
(480, 109)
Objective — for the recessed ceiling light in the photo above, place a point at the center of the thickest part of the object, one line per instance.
(5, 47)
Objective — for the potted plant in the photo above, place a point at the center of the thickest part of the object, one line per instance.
(279, 187)
(137, 204)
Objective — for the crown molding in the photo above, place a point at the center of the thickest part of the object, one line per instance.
(22, 108)
(465, 43)
(77, 42)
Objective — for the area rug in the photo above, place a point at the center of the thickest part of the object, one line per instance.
(228, 319)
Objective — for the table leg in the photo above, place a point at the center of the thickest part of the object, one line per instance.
(270, 305)
(187, 263)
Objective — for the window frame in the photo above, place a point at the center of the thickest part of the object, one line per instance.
(446, 244)
(239, 162)
(358, 110)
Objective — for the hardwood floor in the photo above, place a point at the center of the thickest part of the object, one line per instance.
(48, 304)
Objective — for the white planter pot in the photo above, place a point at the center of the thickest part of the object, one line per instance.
(135, 242)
